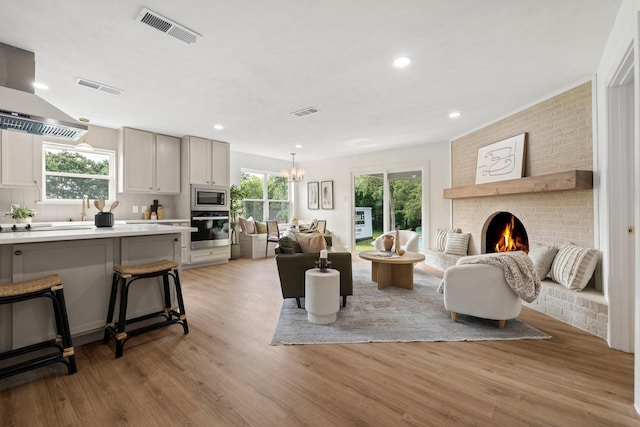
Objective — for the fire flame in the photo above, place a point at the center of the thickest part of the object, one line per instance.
(507, 243)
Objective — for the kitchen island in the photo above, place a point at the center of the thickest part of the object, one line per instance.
(84, 256)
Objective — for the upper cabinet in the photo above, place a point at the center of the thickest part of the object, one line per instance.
(148, 163)
(208, 161)
(20, 159)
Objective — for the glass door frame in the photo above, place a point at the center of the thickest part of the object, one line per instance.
(386, 220)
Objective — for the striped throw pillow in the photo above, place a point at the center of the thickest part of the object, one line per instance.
(457, 243)
(441, 237)
(573, 266)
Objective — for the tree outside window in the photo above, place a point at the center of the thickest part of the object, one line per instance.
(70, 173)
(267, 195)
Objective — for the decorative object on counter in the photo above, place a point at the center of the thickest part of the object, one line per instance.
(21, 214)
(236, 210)
(154, 207)
(104, 219)
(387, 241)
(326, 192)
(323, 263)
(147, 214)
(160, 212)
(154, 216)
(99, 204)
(114, 205)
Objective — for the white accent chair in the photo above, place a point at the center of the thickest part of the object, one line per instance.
(480, 290)
(408, 240)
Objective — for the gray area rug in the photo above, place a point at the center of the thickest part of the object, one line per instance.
(393, 315)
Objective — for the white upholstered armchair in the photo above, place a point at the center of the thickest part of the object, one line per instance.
(408, 240)
(480, 290)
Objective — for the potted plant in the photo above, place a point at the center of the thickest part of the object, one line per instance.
(21, 213)
(236, 209)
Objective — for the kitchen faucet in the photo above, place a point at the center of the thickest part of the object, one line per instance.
(85, 206)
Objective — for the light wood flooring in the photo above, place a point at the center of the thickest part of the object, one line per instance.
(225, 373)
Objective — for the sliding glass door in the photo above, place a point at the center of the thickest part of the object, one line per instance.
(384, 201)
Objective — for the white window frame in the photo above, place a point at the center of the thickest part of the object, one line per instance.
(265, 191)
(111, 177)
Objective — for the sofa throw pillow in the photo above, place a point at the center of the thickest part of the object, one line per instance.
(542, 257)
(573, 266)
(311, 242)
(287, 245)
(261, 227)
(457, 243)
(441, 237)
(248, 225)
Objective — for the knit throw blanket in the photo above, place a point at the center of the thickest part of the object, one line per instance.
(519, 272)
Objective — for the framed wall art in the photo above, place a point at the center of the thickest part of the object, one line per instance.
(312, 195)
(326, 194)
(502, 160)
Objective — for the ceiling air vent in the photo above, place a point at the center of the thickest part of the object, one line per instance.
(305, 111)
(98, 86)
(167, 26)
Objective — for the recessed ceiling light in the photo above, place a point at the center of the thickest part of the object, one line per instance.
(402, 62)
(40, 86)
(298, 145)
(218, 127)
(454, 115)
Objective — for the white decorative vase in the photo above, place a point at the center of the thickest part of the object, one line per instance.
(23, 220)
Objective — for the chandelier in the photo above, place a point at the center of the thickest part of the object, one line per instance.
(294, 174)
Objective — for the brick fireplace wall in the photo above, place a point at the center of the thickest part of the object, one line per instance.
(559, 138)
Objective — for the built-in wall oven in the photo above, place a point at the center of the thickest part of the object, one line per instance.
(213, 229)
(210, 216)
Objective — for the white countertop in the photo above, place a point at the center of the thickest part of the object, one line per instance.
(81, 230)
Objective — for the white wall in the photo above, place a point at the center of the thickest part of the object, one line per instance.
(434, 158)
(623, 35)
(251, 161)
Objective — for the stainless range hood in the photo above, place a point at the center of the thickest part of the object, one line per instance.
(21, 109)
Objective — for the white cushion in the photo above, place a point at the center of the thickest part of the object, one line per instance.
(573, 266)
(457, 243)
(441, 238)
(542, 257)
(248, 225)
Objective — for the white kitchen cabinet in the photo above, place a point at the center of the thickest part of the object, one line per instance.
(217, 255)
(208, 161)
(20, 159)
(185, 241)
(148, 163)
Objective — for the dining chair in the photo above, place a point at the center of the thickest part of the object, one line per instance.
(322, 226)
(273, 235)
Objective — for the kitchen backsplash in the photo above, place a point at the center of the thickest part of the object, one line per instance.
(64, 212)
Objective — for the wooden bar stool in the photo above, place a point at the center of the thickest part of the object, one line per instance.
(123, 278)
(45, 287)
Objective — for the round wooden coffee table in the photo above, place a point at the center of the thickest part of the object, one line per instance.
(392, 270)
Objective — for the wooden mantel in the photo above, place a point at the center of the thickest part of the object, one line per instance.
(561, 181)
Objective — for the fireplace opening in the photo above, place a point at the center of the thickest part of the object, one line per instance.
(505, 233)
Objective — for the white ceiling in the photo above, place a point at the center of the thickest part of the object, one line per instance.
(260, 60)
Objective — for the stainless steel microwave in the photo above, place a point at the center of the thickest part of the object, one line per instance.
(212, 198)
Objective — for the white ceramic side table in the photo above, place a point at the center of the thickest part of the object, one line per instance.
(322, 295)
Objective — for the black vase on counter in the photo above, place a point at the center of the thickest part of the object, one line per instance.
(104, 219)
